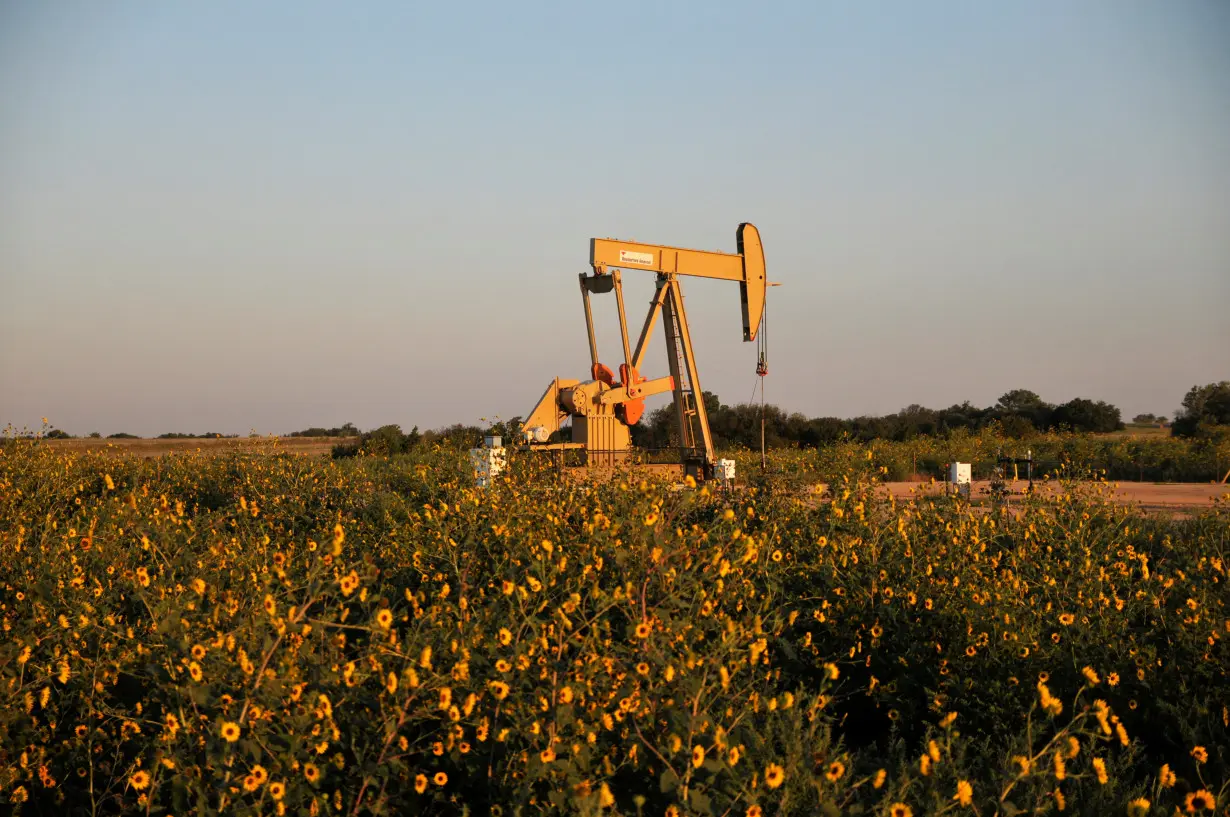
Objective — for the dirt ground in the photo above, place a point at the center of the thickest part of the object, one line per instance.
(309, 446)
(1148, 495)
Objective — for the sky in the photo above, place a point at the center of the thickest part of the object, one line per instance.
(235, 217)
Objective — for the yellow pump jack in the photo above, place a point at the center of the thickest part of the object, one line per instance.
(602, 408)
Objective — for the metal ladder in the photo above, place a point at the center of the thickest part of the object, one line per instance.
(686, 391)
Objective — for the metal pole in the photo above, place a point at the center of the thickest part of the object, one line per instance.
(589, 323)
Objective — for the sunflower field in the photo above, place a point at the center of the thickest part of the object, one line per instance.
(272, 634)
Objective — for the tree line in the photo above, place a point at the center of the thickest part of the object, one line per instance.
(1019, 413)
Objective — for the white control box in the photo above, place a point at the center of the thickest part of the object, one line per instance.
(725, 470)
(488, 463)
(960, 478)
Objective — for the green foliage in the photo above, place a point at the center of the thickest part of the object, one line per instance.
(1204, 407)
(1152, 458)
(1086, 415)
(1018, 414)
(385, 441)
(347, 430)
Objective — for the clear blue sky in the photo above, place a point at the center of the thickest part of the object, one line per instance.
(228, 216)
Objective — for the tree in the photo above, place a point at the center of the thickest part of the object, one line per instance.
(58, 434)
(1023, 404)
(384, 441)
(1019, 401)
(1203, 406)
(348, 430)
(1081, 414)
(1017, 427)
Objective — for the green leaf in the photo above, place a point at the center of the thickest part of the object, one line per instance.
(668, 781)
(700, 802)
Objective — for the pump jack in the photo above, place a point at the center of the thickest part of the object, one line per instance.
(602, 408)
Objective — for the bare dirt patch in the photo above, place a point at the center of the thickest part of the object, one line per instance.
(1156, 496)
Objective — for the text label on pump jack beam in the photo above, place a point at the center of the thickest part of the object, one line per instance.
(644, 258)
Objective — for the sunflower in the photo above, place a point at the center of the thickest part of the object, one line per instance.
(139, 780)
(1200, 800)
(642, 630)
(420, 783)
(440, 778)
(504, 636)
(753, 811)
(230, 731)
(499, 689)
(1099, 768)
(774, 775)
(384, 619)
(900, 810)
(835, 771)
(194, 669)
(310, 772)
(698, 755)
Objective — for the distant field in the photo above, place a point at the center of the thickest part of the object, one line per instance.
(1139, 431)
(311, 446)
